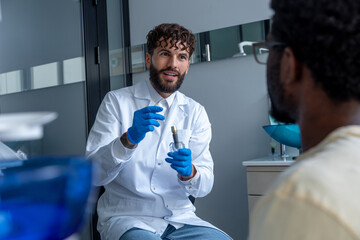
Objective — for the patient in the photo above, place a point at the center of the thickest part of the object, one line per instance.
(313, 78)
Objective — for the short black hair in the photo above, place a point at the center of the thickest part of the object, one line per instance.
(325, 35)
(177, 33)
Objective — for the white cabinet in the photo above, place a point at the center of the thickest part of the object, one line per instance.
(260, 174)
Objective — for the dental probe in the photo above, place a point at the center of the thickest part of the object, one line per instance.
(175, 136)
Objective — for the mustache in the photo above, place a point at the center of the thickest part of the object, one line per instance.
(170, 69)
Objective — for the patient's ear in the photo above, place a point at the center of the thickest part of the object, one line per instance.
(291, 68)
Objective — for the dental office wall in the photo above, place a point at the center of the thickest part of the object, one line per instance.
(233, 91)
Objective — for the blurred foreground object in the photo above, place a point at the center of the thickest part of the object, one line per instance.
(24, 126)
(44, 198)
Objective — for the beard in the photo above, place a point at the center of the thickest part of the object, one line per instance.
(162, 87)
(280, 115)
(279, 108)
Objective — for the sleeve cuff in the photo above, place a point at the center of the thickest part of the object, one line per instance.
(122, 152)
(190, 182)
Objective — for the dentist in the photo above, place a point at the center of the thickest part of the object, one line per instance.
(147, 187)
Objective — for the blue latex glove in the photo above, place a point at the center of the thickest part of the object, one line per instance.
(181, 161)
(143, 122)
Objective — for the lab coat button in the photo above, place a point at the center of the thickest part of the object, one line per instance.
(159, 163)
(154, 188)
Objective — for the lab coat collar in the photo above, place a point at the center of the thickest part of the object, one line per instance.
(141, 91)
(181, 99)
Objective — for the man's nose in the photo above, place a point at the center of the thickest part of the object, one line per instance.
(173, 62)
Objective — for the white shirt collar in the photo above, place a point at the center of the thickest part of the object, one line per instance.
(155, 97)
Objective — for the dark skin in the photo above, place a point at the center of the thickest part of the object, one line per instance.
(316, 113)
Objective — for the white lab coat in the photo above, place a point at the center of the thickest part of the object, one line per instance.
(141, 189)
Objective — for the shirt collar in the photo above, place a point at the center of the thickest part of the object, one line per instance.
(342, 132)
(155, 97)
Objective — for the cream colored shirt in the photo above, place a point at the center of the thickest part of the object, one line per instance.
(316, 198)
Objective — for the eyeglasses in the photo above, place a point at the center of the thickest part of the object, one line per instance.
(261, 50)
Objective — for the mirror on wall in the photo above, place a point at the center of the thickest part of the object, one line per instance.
(234, 41)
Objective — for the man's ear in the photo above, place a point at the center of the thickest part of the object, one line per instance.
(148, 60)
(187, 69)
(291, 68)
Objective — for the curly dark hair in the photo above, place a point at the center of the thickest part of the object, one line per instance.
(162, 33)
(325, 35)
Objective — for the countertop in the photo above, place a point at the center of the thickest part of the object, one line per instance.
(269, 161)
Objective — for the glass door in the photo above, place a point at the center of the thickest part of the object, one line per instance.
(119, 42)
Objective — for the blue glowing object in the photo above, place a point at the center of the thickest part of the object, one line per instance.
(287, 134)
(44, 198)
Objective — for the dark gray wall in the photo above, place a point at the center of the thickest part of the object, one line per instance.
(67, 134)
(39, 31)
(233, 92)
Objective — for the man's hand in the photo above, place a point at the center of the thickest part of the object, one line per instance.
(181, 162)
(143, 122)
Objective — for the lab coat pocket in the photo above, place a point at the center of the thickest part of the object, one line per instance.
(184, 136)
